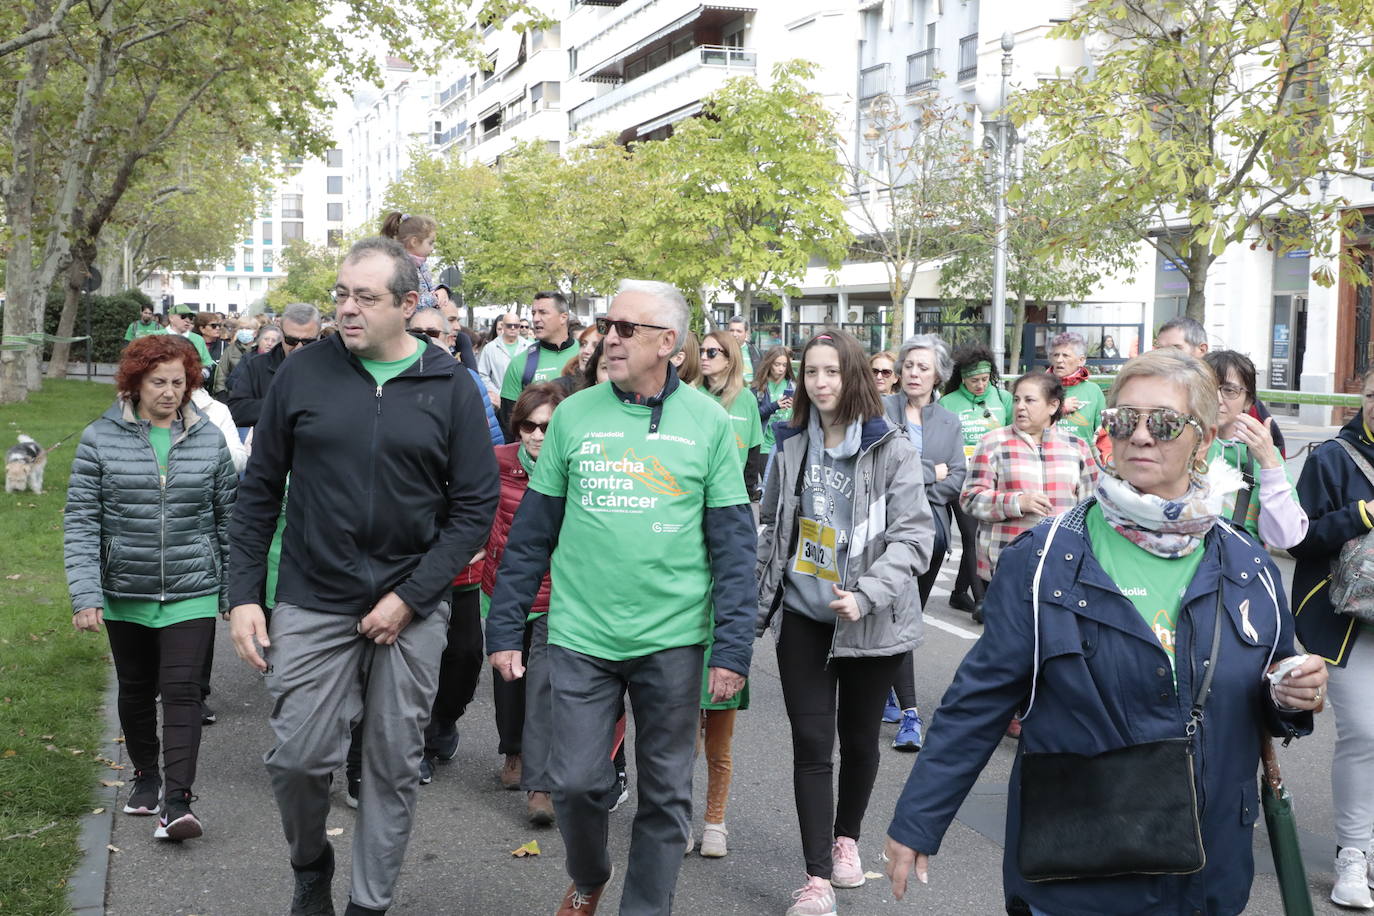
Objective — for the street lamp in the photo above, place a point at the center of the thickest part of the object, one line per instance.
(999, 138)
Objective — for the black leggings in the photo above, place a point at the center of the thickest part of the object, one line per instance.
(968, 555)
(165, 661)
(905, 683)
(848, 694)
(508, 700)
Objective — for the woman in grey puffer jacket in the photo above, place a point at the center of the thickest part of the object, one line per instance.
(846, 527)
(146, 537)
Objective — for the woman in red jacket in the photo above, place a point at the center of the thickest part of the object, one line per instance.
(522, 706)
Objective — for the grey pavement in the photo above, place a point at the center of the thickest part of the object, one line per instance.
(459, 860)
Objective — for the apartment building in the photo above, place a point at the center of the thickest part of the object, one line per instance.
(387, 124)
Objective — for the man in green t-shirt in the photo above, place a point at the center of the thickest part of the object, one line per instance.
(145, 325)
(1083, 399)
(542, 360)
(638, 512)
(180, 321)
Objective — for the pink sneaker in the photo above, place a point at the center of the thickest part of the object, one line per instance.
(815, 898)
(846, 871)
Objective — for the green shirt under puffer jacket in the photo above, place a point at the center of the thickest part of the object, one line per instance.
(129, 535)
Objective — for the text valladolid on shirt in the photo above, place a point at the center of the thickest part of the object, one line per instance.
(550, 366)
(1154, 584)
(631, 574)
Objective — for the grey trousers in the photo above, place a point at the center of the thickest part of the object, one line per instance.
(324, 679)
(586, 694)
(536, 738)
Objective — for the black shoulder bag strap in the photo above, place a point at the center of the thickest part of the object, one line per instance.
(1246, 494)
(1210, 664)
(531, 367)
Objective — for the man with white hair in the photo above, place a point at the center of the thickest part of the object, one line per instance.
(300, 325)
(638, 511)
(1083, 399)
(496, 355)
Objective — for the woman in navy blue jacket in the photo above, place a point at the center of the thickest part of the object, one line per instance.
(1113, 652)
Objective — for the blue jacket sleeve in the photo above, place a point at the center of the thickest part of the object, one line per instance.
(1334, 516)
(533, 536)
(493, 426)
(991, 683)
(732, 545)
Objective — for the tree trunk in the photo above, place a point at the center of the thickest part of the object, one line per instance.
(19, 366)
(1199, 259)
(75, 277)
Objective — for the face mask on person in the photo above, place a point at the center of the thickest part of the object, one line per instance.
(244, 336)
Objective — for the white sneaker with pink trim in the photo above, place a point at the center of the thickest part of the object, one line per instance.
(846, 870)
(815, 898)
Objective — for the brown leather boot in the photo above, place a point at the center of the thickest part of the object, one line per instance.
(576, 903)
(511, 771)
(540, 808)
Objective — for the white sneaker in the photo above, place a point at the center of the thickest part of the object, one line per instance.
(845, 868)
(815, 898)
(713, 841)
(1352, 881)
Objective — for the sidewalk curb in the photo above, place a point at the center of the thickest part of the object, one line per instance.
(86, 886)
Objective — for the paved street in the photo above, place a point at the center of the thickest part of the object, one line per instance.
(459, 859)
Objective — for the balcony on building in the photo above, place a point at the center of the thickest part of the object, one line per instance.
(968, 57)
(872, 82)
(921, 70)
(632, 27)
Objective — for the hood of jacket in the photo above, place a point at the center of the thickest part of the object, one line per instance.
(875, 429)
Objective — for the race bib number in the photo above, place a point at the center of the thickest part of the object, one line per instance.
(816, 554)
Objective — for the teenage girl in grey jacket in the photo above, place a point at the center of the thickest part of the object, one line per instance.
(846, 526)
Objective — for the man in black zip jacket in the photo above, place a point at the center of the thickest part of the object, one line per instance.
(393, 489)
(300, 325)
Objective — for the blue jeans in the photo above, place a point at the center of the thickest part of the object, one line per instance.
(586, 693)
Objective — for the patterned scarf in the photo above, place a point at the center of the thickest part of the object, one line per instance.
(1168, 528)
(1077, 377)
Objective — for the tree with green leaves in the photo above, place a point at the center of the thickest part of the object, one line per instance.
(749, 193)
(909, 202)
(1054, 252)
(1209, 121)
(310, 273)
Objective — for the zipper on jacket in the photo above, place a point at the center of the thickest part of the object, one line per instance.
(372, 495)
(379, 400)
(161, 513)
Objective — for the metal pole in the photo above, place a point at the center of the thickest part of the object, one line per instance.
(999, 262)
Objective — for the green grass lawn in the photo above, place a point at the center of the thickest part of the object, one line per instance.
(52, 679)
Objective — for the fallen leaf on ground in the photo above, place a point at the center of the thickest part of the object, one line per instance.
(872, 874)
(334, 831)
(9, 752)
(97, 810)
(111, 783)
(15, 576)
(112, 847)
(529, 849)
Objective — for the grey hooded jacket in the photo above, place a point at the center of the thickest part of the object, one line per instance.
(128, 535)
(890, 541)
(942, 442)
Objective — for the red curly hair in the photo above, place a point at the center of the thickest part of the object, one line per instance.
(146, 353)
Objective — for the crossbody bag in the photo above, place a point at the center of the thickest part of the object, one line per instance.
(1352, 574)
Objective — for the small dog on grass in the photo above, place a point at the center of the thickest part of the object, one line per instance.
(24, 465)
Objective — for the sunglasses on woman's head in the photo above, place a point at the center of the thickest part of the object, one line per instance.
(711, 352)
(1164, 424)
(527, 427)
(882, 373)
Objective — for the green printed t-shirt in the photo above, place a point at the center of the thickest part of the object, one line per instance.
(634, 504)
(1084, 421)
(1154, 584)
(1237, 455)
(550, 366)
(744, 420)
(139, 329)
(194, 340)
(151, 613)
(976, 419)
(776, 392)
(383, 372)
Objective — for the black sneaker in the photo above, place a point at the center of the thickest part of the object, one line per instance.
(426, 771)
(178, 822)
(978, 611)
(622, 790)
(443, 746)
(313, 895)
(355, 785)
(207, 715)
(961, 601)
(146, 795)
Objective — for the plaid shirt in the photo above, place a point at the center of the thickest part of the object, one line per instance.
(1008, 463)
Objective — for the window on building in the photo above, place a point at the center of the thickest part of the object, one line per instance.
(333, 184)
(292, 207)
(553, 147)
(334, 158)
(333, 237)
(231, 284)
(255, 284)
(334, 212)
(247, 259)
(267, 233)
(544, 38)
(190, 282)
(266, 261)
(438, 133)
(682, 46)
(292, 231)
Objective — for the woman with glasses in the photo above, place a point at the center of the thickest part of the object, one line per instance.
(925, 365)
(1267, 504)
(773, 388)
(1136, 624)
(974, 394)
(722, 377)
(1024, 472)
(884, 366)
(846, 527)
(523, 706)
